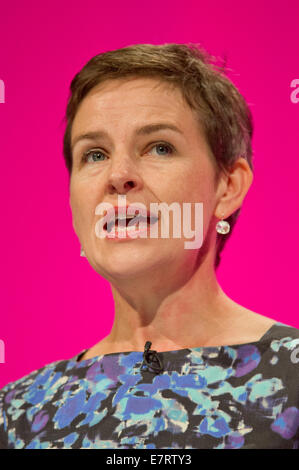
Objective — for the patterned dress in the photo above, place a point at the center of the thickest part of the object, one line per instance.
(243, 396)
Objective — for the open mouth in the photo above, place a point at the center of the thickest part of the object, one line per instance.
(139, 222)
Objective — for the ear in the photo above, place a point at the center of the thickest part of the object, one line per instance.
(234, 188)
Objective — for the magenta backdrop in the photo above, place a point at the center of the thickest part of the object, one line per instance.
(53, 304)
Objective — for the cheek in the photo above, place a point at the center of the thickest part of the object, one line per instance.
(198, 188)
(195, 189)
(82, 208)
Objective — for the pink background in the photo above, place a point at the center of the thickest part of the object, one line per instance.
(53, 304)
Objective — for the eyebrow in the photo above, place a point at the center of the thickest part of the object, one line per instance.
(144, 130)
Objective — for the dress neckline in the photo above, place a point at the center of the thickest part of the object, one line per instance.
(199, 349)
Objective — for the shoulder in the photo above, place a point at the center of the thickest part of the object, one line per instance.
(32, 376)
(278, 353)
(16, 395)
(22, 398)
(32, 388)
(282, 331)
(284, 338)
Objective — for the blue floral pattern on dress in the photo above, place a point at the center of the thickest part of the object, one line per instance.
(226, 397)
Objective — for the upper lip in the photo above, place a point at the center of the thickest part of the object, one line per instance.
(113, 212)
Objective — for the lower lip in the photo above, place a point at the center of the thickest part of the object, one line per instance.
(125, 235)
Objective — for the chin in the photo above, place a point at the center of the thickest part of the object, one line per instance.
(120, 267)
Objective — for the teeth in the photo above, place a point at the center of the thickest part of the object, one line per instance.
(132, 228)
(139, 220)
(127, 229)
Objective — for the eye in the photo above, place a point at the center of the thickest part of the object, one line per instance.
(164, 145)
(91, 152)
(86, 155)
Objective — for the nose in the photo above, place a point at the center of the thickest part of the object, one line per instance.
(123, 178)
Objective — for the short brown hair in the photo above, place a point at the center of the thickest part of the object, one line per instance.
(222, 111)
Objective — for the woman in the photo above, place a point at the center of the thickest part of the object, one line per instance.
(149, 125)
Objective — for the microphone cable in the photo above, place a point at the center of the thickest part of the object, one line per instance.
(151, 359)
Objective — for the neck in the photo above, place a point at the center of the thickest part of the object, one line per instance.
(184, 312)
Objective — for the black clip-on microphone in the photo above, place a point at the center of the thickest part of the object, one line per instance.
(151, 358)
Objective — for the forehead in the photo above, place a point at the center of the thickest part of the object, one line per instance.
(143, 97)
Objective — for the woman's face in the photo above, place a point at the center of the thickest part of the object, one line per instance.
(143, 168)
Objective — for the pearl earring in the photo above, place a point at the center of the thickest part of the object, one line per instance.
(222, 226)
(82, 252)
